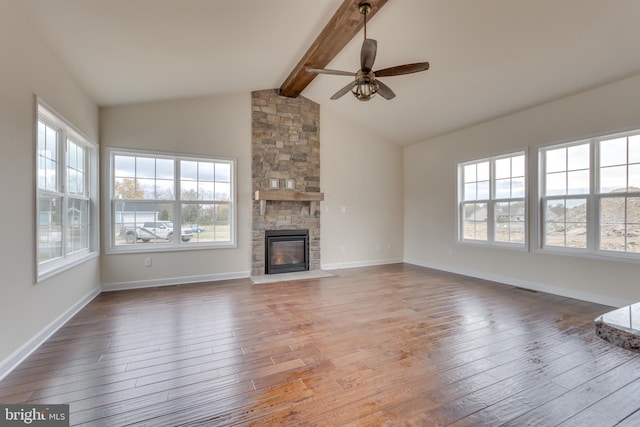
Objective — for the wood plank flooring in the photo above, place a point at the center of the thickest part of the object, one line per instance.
(389, 345)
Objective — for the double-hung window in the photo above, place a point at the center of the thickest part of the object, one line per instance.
(590, 196)
(164, 201)
(66, 186)
(492, 206)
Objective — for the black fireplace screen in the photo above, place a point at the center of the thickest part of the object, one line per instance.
(286, 251)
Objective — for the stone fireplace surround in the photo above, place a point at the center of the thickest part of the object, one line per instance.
(285, 144)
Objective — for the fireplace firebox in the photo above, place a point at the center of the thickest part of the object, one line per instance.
(286, 251)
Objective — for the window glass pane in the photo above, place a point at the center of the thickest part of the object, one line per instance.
(612, 210)
(470, 173)
(483, 171)
(164, 169)
(613, 152)
(223, 191)
(633, 224)
(126, 188)
(612, 223)
(189, 190)
(509, 222)
(188, 170)
(124, 166)
(475, 221)
(483, 190)
(576, 223)
(51, 174)
(556, 184)
(142, 222)
(145, 167)
(223, 172)
(49, 227)
(205, 171)
(566, 223)
(47, 157)
(148, 187)
(578, 182)
(503, 188)
(634, 149)
(517, 188)
(556, 160)
(78, 225)
(517, 166)
(502, 216)
(75, 168)
(554, 223)
(503, 168)
(199, 219)
(613, 178)
(222, 222)
(578, 157)
(634, 177)
(164, 189)
(470, 191)
(205, 191)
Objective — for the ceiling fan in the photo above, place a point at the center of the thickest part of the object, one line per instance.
(366, 84)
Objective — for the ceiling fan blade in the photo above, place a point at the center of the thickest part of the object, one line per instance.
(343, 91)
(368, 55)
(334, 72)
(402, 69)
(385, 91)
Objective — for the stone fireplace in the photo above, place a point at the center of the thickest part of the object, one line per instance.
(285, 149)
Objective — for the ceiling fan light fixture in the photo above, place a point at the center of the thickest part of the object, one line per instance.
(364, 90)
(366, 83)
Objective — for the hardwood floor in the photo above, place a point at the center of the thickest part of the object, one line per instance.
(388, 345)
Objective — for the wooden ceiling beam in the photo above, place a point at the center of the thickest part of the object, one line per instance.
(343, 26)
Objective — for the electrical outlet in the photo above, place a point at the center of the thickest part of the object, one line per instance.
(147, 262)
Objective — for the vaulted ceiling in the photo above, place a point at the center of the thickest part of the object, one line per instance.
(488, 57)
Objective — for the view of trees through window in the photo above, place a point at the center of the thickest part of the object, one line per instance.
(147, 211)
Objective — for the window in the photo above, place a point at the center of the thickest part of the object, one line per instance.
(169, 202)
(492, 206)
(590, 195)
(66, 220)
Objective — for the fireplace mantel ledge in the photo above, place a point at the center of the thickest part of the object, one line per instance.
(287, 196)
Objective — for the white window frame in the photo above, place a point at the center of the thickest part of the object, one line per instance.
(491, 203)
(66, 133)
(176, 244)
(593, 197)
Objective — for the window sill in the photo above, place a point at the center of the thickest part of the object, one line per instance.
(57, 267)
(142, 248)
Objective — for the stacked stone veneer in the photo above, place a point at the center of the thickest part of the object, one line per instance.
(285, 144)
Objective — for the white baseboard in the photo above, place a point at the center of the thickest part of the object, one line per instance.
(171, 281)
(535, 286)
(10, 363)
(355, 264)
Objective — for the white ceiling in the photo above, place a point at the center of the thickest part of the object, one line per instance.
(488, 57)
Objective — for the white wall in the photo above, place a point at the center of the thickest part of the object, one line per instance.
(212, 126)
(362, 174)
(28, 310)
(430, 196)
